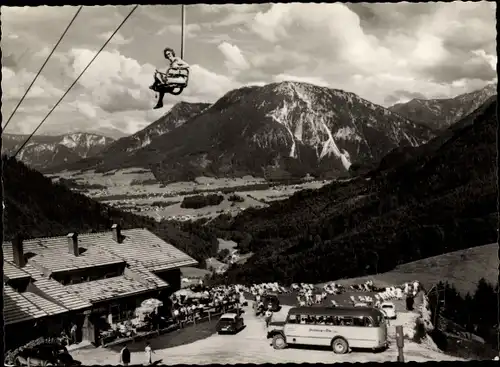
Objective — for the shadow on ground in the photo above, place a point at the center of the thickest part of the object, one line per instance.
(176, 338)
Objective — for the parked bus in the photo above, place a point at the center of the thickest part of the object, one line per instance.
(341, 328)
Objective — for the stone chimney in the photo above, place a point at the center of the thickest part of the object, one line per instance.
(73, 244)
(18, 251)
(117, 233)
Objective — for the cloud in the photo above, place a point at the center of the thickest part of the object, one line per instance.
(15, 84)
(190, 30)
(402, 96)
(206, 84)
(9, 61)
(235, 61)
(391, 46)
(384, 52)
(114, 82)
(117, 39)
(490, 59)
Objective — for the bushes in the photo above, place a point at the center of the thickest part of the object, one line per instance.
(164, 204)
(236, 198)
(201, 201)
(420, 332)
(222, 254)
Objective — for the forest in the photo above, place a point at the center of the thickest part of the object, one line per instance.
(476, 313)
(201, 201)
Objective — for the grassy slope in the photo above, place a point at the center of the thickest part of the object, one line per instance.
(462, 268)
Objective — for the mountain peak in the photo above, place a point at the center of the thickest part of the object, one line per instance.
(280, 129)
(440, 113)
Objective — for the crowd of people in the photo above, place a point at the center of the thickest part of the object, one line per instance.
(197, 302)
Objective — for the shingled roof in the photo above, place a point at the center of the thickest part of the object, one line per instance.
(137, 246)
(11, 272)
(27, 306)
(144, 247)
(104, 289)
(143, 253)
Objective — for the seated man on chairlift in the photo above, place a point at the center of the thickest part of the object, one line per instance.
(174, 80)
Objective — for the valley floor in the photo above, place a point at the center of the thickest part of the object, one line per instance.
(136, 190)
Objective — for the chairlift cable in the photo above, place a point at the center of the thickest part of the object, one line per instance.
(76, 80)
(45, 63)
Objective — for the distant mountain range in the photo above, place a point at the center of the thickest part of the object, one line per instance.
(442, 113)
(43, 151)
(279, 130)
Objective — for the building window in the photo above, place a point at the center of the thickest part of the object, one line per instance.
(122, 312)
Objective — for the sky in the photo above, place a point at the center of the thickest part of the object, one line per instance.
(385, 53)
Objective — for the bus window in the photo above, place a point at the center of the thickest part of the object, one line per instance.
(293, 319)
(336, 320)
(330, 321)
(347, 321)
(362, 321)
(369, 322)
(321, 320)
(303, 319)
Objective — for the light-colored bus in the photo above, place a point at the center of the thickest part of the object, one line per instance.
(341, 328)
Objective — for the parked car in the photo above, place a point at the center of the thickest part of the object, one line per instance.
(46, 355)
(361, 304)
(389, 309)
(230, 323)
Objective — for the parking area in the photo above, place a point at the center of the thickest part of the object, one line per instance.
(249, 346)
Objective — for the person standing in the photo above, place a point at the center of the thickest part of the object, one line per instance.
(125, 356)
(73, 333)
(149, 353)
(268, 316)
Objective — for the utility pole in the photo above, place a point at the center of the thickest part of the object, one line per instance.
(183, 16)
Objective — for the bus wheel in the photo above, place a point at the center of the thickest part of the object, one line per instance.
(340, 346)
(279, 342)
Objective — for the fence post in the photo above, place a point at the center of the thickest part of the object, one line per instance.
(400, 342)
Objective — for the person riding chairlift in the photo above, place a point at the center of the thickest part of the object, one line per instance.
(176, 75)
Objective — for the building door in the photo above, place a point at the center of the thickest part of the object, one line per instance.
(88, 329)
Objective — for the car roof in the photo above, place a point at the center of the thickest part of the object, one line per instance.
(229, 315)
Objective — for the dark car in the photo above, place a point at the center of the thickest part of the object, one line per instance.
(229, 323)
(46, 355)
(271, 299)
